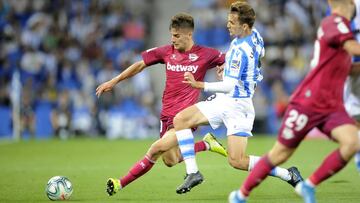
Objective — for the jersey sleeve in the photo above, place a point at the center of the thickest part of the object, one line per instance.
(337, 32)
(154, 55)
(218, 58)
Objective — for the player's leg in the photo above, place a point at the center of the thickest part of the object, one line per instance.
(142, 166)
(346, 136)
(277, 155)
(290, 135)
(173, 156)
(183, 122)
(240, 160)
(237, 156)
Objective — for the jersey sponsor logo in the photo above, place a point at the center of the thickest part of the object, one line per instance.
(193, 57)
(182, 68)
(235, 64)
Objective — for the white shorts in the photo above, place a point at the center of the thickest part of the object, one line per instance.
(351, 101)
(237, 114)
(352, 105)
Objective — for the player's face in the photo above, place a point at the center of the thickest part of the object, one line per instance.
(181, 38)
(234, 26)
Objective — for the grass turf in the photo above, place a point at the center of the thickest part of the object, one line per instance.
(26, 166)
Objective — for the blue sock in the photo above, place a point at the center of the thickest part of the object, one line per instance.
(357, 161)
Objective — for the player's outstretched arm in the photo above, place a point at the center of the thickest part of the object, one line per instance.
(355, 69)
(132, 70)
(224, 86)
(189, 79)
(352, 47)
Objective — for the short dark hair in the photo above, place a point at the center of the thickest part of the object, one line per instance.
(245, 12)
(182, 20)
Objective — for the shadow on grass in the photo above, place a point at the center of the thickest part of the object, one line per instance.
(339, 181)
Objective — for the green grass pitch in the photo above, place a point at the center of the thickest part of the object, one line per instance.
(26, 166)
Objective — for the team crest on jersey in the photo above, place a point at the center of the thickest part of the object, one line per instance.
(173, 57)
(193, 57)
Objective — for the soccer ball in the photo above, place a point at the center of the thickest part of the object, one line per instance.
(59, 188)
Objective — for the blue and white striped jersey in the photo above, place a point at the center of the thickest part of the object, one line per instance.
(242, 63)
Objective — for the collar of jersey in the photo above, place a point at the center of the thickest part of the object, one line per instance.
(240, 40)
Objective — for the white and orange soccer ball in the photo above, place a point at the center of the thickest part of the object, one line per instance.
(59, 188)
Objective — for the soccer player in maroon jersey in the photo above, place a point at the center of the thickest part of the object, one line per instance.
(179, 57)
(317, 102)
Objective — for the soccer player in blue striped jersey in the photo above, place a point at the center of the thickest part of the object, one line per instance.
(232, 104)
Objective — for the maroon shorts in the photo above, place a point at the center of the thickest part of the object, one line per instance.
(166, 123)
(297, 123)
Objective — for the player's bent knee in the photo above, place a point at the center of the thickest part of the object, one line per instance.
(170, 158)
(156, 149)
(348, 149)
(351, 144)
(352, 147)
(239, 163)
(169, 162)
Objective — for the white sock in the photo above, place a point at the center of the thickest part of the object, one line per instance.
(279, 172)
(186, 144)
(207, 146)
(252, 161)
(308, 182)
(191, 166)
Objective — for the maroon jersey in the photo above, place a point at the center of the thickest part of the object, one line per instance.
(178, 95)
(322, 89)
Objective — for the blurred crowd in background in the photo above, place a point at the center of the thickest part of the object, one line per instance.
(63, 49)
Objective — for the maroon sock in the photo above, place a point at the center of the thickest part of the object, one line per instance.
(139, 169)
(200, 146)
(257, 175)
(331, 165)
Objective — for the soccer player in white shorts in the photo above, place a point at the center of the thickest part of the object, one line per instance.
(232, 105)
(229, 111)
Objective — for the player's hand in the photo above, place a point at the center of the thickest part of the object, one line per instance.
(105, 87)
(189, 79)
(219, 72)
